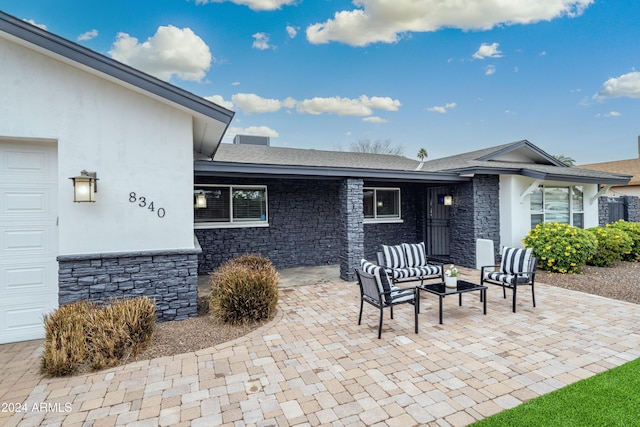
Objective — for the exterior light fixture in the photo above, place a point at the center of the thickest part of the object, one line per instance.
(380, 203)
(85, 187)
(448, 200)
(201, 201)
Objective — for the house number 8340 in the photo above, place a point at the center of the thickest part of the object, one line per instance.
(144, 203)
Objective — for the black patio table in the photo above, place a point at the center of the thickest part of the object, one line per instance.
(463, 286)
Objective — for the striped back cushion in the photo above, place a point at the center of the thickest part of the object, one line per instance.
(515, 260)
(415, 253)
(380, 274)
(394, 256)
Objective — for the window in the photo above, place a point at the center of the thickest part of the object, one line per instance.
(230, 204)
(381, 204)
(564, 205)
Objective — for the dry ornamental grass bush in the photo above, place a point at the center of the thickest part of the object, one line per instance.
(83, 334)
(244, 289)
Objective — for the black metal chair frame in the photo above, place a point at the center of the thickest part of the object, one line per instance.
(370, 293)
(530, 275)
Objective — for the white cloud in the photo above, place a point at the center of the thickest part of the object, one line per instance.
(251, 103)
(32, 22)
(218, 99)
(626, 85)
(386, 21)
(171, 51)
(488, 51)
(261, 41)
(442, 108)
(489, 70)
(88, 35)
(253, 131)
(609, 114)
(235, 84)
(254, 4)
(292, 31)
(362, 106)
(375, 119)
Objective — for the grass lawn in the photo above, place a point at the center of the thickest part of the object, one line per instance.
(611, 398)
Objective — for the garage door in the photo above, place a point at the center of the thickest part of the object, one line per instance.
(28, 238)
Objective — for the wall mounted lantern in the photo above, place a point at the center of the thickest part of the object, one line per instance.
(448, 200)
(85, 187)
(201, 200)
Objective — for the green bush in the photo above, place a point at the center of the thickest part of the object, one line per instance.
(83, 334)
(244, 289)
(561, 248)
(613, 243)
(633, 231)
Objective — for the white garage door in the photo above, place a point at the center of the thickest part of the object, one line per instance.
(28, 238)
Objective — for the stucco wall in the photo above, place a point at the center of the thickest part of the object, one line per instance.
(515, 211)
(134, 143)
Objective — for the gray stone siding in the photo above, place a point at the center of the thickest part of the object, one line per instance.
(351, 230)
(633, 208)
(603, 211)
(475, 215)
(168, 277)
(410, 230)
(304, 226)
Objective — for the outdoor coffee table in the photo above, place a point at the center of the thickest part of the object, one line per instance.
(463, 286)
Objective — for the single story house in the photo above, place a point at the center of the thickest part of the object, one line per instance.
(171, 202)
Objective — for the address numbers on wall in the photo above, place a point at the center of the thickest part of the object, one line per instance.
(141, 201)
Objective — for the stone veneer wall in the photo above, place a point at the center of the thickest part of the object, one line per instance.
(632, 208)
(351, 227)
(475, 215)
(410, 230)
(168, 277)
(304, 226)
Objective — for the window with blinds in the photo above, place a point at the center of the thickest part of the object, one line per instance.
(228, 204)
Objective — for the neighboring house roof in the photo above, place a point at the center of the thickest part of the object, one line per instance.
(518, 158)
(627, 167)
(210, 121)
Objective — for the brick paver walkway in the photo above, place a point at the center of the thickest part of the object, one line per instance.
(313, 365)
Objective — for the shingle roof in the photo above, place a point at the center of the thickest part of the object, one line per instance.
(626, 167)
(239, 153)
(517, 158)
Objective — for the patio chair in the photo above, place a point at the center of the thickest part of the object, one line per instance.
(517, 268)
(376, 290)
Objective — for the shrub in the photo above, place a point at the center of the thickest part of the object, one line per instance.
(613, 243)
(633, 231)
(83, 334)
(561, 248)
(119, 330)
(244, 289)
(65, 346)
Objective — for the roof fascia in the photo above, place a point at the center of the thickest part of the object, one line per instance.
(205, 167)
(520, 144)
(622, 180)
(49, 42)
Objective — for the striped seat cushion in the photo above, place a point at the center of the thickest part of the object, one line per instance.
(506, 278)
(394, 256)
(384, 284)
(515, 260)
(415, 254)
(405, 273)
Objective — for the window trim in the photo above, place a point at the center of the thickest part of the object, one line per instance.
(231, 223)
(383, 220)
(571, 211)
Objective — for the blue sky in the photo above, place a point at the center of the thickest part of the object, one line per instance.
(447, 76)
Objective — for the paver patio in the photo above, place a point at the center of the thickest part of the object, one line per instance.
(313, 365)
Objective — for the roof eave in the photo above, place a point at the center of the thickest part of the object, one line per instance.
(530, 173)
(205, 167)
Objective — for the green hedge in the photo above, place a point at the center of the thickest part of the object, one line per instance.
(633, 231)
(613, 244)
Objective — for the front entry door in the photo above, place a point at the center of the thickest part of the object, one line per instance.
(437, 223)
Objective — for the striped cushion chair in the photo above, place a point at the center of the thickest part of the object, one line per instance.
(517, 268)
(418, 263)
(376, 289)
(408, 262)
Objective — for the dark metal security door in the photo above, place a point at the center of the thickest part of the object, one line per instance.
(437, 223)
(617, 209)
